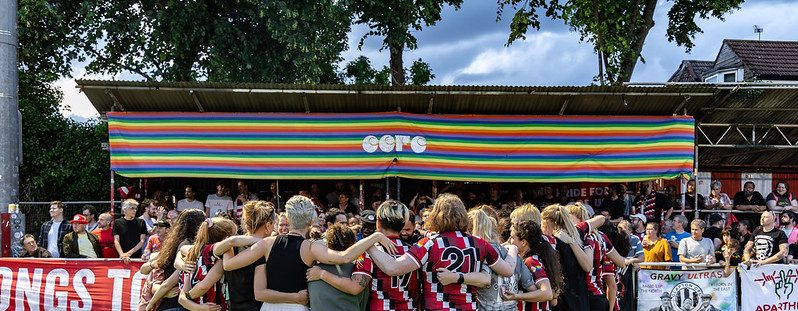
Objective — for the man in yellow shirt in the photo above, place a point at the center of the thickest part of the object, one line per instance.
(80, 243)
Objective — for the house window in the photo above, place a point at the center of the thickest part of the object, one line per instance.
(711, 79)
(730, 77)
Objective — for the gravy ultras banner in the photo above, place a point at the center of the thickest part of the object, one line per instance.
(58, 284)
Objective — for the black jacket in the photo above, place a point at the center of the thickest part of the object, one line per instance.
(71, 249)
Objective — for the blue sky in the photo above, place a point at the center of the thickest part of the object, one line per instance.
(467, 48)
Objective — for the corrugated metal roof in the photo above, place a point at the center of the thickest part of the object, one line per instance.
(750, 103)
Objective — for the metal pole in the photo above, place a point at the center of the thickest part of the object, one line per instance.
(277, 195)
(398, 189)
(112, 192)
(696, 183)
(9, 107)
(387, 184)
(362, 197)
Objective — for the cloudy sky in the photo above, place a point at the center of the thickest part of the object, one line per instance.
(467, 48)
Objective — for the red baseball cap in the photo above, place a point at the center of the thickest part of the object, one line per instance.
(79, 219)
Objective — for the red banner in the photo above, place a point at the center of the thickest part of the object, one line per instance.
(61, 284)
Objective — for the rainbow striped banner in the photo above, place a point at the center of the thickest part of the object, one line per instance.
(377, 145)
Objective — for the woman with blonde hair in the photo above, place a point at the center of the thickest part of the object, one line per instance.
(446, 250)
(556, 224)
(257, 218)
(281, 283)
(490, 298)
(525, 212)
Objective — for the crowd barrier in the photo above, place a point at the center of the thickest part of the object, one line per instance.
(706, 288)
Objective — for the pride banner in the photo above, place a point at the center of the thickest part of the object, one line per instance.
(67, 284)
(769, 287)
(378, 145)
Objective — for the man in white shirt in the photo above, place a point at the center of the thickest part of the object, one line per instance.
(53, 231)
(189, 202)
(218, 203)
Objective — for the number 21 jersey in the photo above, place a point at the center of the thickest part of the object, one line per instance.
(455, 251)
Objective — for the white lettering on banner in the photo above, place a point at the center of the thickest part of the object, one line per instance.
(5, 287)
(50, 296)
(80, 289)
(389, 143)
(27, 290)
(118, 275)
(135, 290)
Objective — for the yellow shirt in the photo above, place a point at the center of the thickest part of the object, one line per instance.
(84, 246)
(658, 251)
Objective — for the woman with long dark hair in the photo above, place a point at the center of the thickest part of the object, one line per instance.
(544, 264)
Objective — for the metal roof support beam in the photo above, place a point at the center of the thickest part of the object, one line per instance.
(305, 102)
(196, 101)
(684, 102)
(431, 103)
(565, 105)
(117, 104)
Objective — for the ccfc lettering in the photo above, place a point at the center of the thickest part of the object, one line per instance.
(390, 143)
(62, 291)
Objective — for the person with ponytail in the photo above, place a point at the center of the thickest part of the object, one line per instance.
(489, 298)
(281, 283)
(257, 219)
(542, 262)
(555, 224)
(601, 247)
(209, 268)
(184, 230)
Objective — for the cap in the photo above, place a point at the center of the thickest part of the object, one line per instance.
(639, 216)
(368, 216)
(79, 219)
(715, 218)
(162, 223)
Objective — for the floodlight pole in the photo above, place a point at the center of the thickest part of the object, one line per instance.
(10, 149)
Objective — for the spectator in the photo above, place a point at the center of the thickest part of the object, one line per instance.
(53, 231)
(677, 235)
(744, 227)
(690, 197)
(730, 236)
(155, 240)
(31, 249)
(129, 232)
(243, 197)
(189, 201)
(696, 249)
(781, 199)
(718, 200)
(91, 214)
(369, 219)
(638, 222)
(768, 242)
(655, 248)
(731, 256)
(716, 224)
(105, 236)
(282, 224)
(335, 216)
(345, 204)
(750, 201)
(219, 203)
(613, 206)
(79, 243)
(150, 214)
(652, 204)
(409, 234)
(788, 222)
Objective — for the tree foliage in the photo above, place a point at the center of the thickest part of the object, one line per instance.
(395, 21)
(296, 41)
(617, 29)
(360, 71)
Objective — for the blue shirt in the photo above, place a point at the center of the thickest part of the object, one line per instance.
(637, 246)
(675, 237)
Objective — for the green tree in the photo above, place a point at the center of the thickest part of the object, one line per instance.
(395, 20)
(617, 29)
(360, 71)
(297, 41)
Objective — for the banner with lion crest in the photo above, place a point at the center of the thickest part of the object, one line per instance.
(688, 290)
